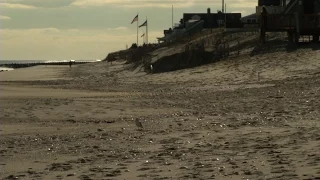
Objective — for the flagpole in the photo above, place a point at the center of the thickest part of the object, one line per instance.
(225, 15)
(143, 37)
(172, 17)
(147, 29)
(138, 30)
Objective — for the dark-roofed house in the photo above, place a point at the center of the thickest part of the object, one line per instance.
(194, 22)
(250, 19)
(214, 20)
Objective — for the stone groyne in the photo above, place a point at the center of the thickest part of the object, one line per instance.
(30, 64)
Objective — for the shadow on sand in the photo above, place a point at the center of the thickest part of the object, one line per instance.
(281, 46)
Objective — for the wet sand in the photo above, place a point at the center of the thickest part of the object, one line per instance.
(243, 118)
(36, 73)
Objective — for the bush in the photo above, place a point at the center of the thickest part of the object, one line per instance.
(133, 46)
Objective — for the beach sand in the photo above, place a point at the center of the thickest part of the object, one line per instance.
(35, 73)
(250, 117)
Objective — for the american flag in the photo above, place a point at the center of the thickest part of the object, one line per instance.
(144, 24)
(135, 19)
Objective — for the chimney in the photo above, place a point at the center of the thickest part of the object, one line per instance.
(208, 11)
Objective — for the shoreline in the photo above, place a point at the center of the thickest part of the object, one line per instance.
(26, 64)
(2, 69)
(35, 73)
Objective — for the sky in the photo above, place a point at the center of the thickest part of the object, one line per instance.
(90, 29)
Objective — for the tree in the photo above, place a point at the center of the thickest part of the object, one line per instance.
(133, 46)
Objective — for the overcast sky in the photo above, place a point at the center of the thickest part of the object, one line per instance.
(89, 29)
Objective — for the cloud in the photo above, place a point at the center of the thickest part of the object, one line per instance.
(51, 43)
(136, 3)
(15, 6)
(118, 28)
(43, 30)
(243, 4)
(73, 30)
(5, 17)
(31, 4)
(41, 3)
(7, 34)
(164, 3)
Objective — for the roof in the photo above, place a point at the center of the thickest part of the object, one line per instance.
(254, 15)
(193, 20)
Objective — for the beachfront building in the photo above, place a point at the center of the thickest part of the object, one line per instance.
(250, 19)
(289, 6)
(195, 22)
(272, 6)
(297, 18)
(214, 20)
(303, 7)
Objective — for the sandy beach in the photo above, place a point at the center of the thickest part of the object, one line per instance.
(249, 117)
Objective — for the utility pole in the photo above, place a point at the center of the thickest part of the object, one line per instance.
(172, 17)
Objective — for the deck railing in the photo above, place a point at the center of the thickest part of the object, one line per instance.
(288, 21)
(310, 21)
(280, 21)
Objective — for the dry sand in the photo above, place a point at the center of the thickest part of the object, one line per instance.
(251, 117)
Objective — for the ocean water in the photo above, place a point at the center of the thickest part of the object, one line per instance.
(6, 69)
(2, 62)
(19, 61)
(15, 61)
(35, 61)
